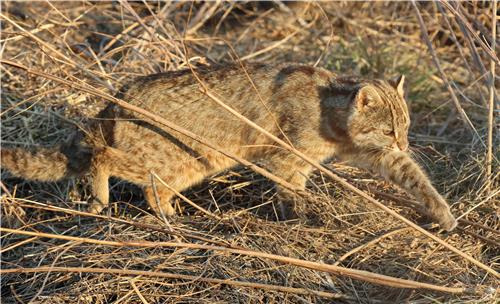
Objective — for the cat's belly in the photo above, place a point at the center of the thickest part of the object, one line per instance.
(168, 154)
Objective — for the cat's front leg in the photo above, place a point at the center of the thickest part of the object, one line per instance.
(400, 169)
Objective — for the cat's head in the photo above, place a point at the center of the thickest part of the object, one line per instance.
(379, 118)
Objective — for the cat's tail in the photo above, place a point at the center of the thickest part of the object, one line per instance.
(47, 164)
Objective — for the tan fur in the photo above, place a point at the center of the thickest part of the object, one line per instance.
(321, 114)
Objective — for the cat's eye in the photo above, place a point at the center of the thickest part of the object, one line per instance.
(389, 132)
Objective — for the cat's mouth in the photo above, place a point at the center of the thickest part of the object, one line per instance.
(395, 147)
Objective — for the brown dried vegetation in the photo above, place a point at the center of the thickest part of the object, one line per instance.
(104, 259)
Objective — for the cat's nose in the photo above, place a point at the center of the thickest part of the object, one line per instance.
(403, 145)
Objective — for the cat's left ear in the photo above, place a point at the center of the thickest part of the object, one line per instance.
(399, 84)
(367, 97)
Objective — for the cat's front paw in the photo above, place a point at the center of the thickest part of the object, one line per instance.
(445, 219)
(439, 211)
(165, 208)
(448, 223)
(286, 206)
(95, 206)
(286, 211)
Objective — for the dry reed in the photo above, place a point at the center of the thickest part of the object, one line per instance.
(54, 253)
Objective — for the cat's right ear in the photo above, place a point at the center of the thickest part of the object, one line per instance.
(399, 83)
(366, 97)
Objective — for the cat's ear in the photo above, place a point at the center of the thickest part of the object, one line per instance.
(399, 84)
(367, 96)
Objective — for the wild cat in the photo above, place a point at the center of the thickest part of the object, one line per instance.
(320, 113)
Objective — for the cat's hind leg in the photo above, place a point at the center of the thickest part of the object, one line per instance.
(106, 162)
(100, 173)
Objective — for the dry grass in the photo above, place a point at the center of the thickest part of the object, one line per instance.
(74, 257)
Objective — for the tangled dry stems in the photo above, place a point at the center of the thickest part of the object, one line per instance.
(105, 44)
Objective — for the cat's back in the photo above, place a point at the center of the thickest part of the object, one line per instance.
(282, 98)
(257, 91)
(231, 83)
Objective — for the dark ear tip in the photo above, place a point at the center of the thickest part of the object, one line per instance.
(398, 84)
(394, 81)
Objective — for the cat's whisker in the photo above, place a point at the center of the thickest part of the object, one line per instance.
(420, 157)
(365, 121)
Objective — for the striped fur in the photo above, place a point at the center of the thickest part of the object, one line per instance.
(318, 112)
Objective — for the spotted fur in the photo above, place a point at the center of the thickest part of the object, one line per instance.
(318, 112)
